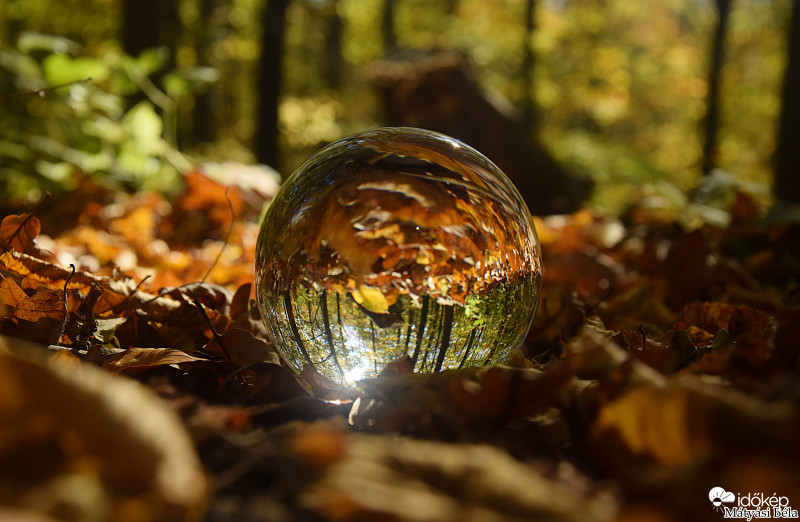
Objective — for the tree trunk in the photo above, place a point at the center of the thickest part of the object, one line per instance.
(450, 7)
(204, 128)
(787, 174)
(332, 69)
(147, 24)
(712, 113)
(387, 26)
(439, 92)
(271, 76)
(528, 113)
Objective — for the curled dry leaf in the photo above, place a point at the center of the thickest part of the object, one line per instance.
(386, 478)
(77, 443)
(139, 359)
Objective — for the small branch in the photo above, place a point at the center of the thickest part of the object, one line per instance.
(42, 92)
(217, 336)
(227, 236)
(140, 283)
(66, 309)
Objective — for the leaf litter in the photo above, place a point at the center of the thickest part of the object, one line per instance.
(662, 362)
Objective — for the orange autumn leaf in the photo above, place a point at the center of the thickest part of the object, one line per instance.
(45, 302)
(136, 227)
(11, 293)
(204, 193)
(31, 267)
(18, 232)
(751, 329)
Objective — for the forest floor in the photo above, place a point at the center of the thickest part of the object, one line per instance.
(659, 380)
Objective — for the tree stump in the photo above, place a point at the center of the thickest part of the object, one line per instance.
(438, 92)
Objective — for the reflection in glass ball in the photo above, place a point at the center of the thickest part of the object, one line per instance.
(393, 242)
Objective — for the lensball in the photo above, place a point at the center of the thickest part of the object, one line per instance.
(397, 242)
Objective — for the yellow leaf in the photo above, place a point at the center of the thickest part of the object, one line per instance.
(371, 298)
(656, 421)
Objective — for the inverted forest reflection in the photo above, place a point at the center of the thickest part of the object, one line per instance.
(397, 242)
(346, 342)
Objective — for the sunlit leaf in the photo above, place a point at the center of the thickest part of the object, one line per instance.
(60, 69)
(145, 124)
(19, 231)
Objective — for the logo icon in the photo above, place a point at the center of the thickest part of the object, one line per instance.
(718, 496)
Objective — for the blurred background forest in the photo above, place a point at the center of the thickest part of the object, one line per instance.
(641, 98)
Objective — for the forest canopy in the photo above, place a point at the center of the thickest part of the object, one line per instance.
(617, 91)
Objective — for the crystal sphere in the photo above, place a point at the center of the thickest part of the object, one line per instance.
(393, 242)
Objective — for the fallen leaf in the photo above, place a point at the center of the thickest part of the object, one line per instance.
(107, 326)
(371, 298)
(244, 349)
(111, 438)
(18, 231)
(44, 309)
(735, 319)
(390, 478)
(679, 422)
(139, 359)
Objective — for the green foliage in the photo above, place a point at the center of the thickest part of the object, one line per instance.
(620, 85)
(65, 111)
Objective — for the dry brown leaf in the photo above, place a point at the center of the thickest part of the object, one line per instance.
(245, 349)
(27, 266)
(110, 438)
(44, 302)
(11, 292)
(40, 316)
(139, 359)
(18, 232)
(504, 393)
(458, 401)
(389, 478)
(735, 319)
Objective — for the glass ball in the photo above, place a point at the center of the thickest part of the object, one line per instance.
(393, 242)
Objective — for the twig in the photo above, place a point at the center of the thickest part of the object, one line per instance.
(217, 336)
(42, 92)
(140, 283)
(66, 309)
(644, 336)
(161, 293)
(227, 236)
